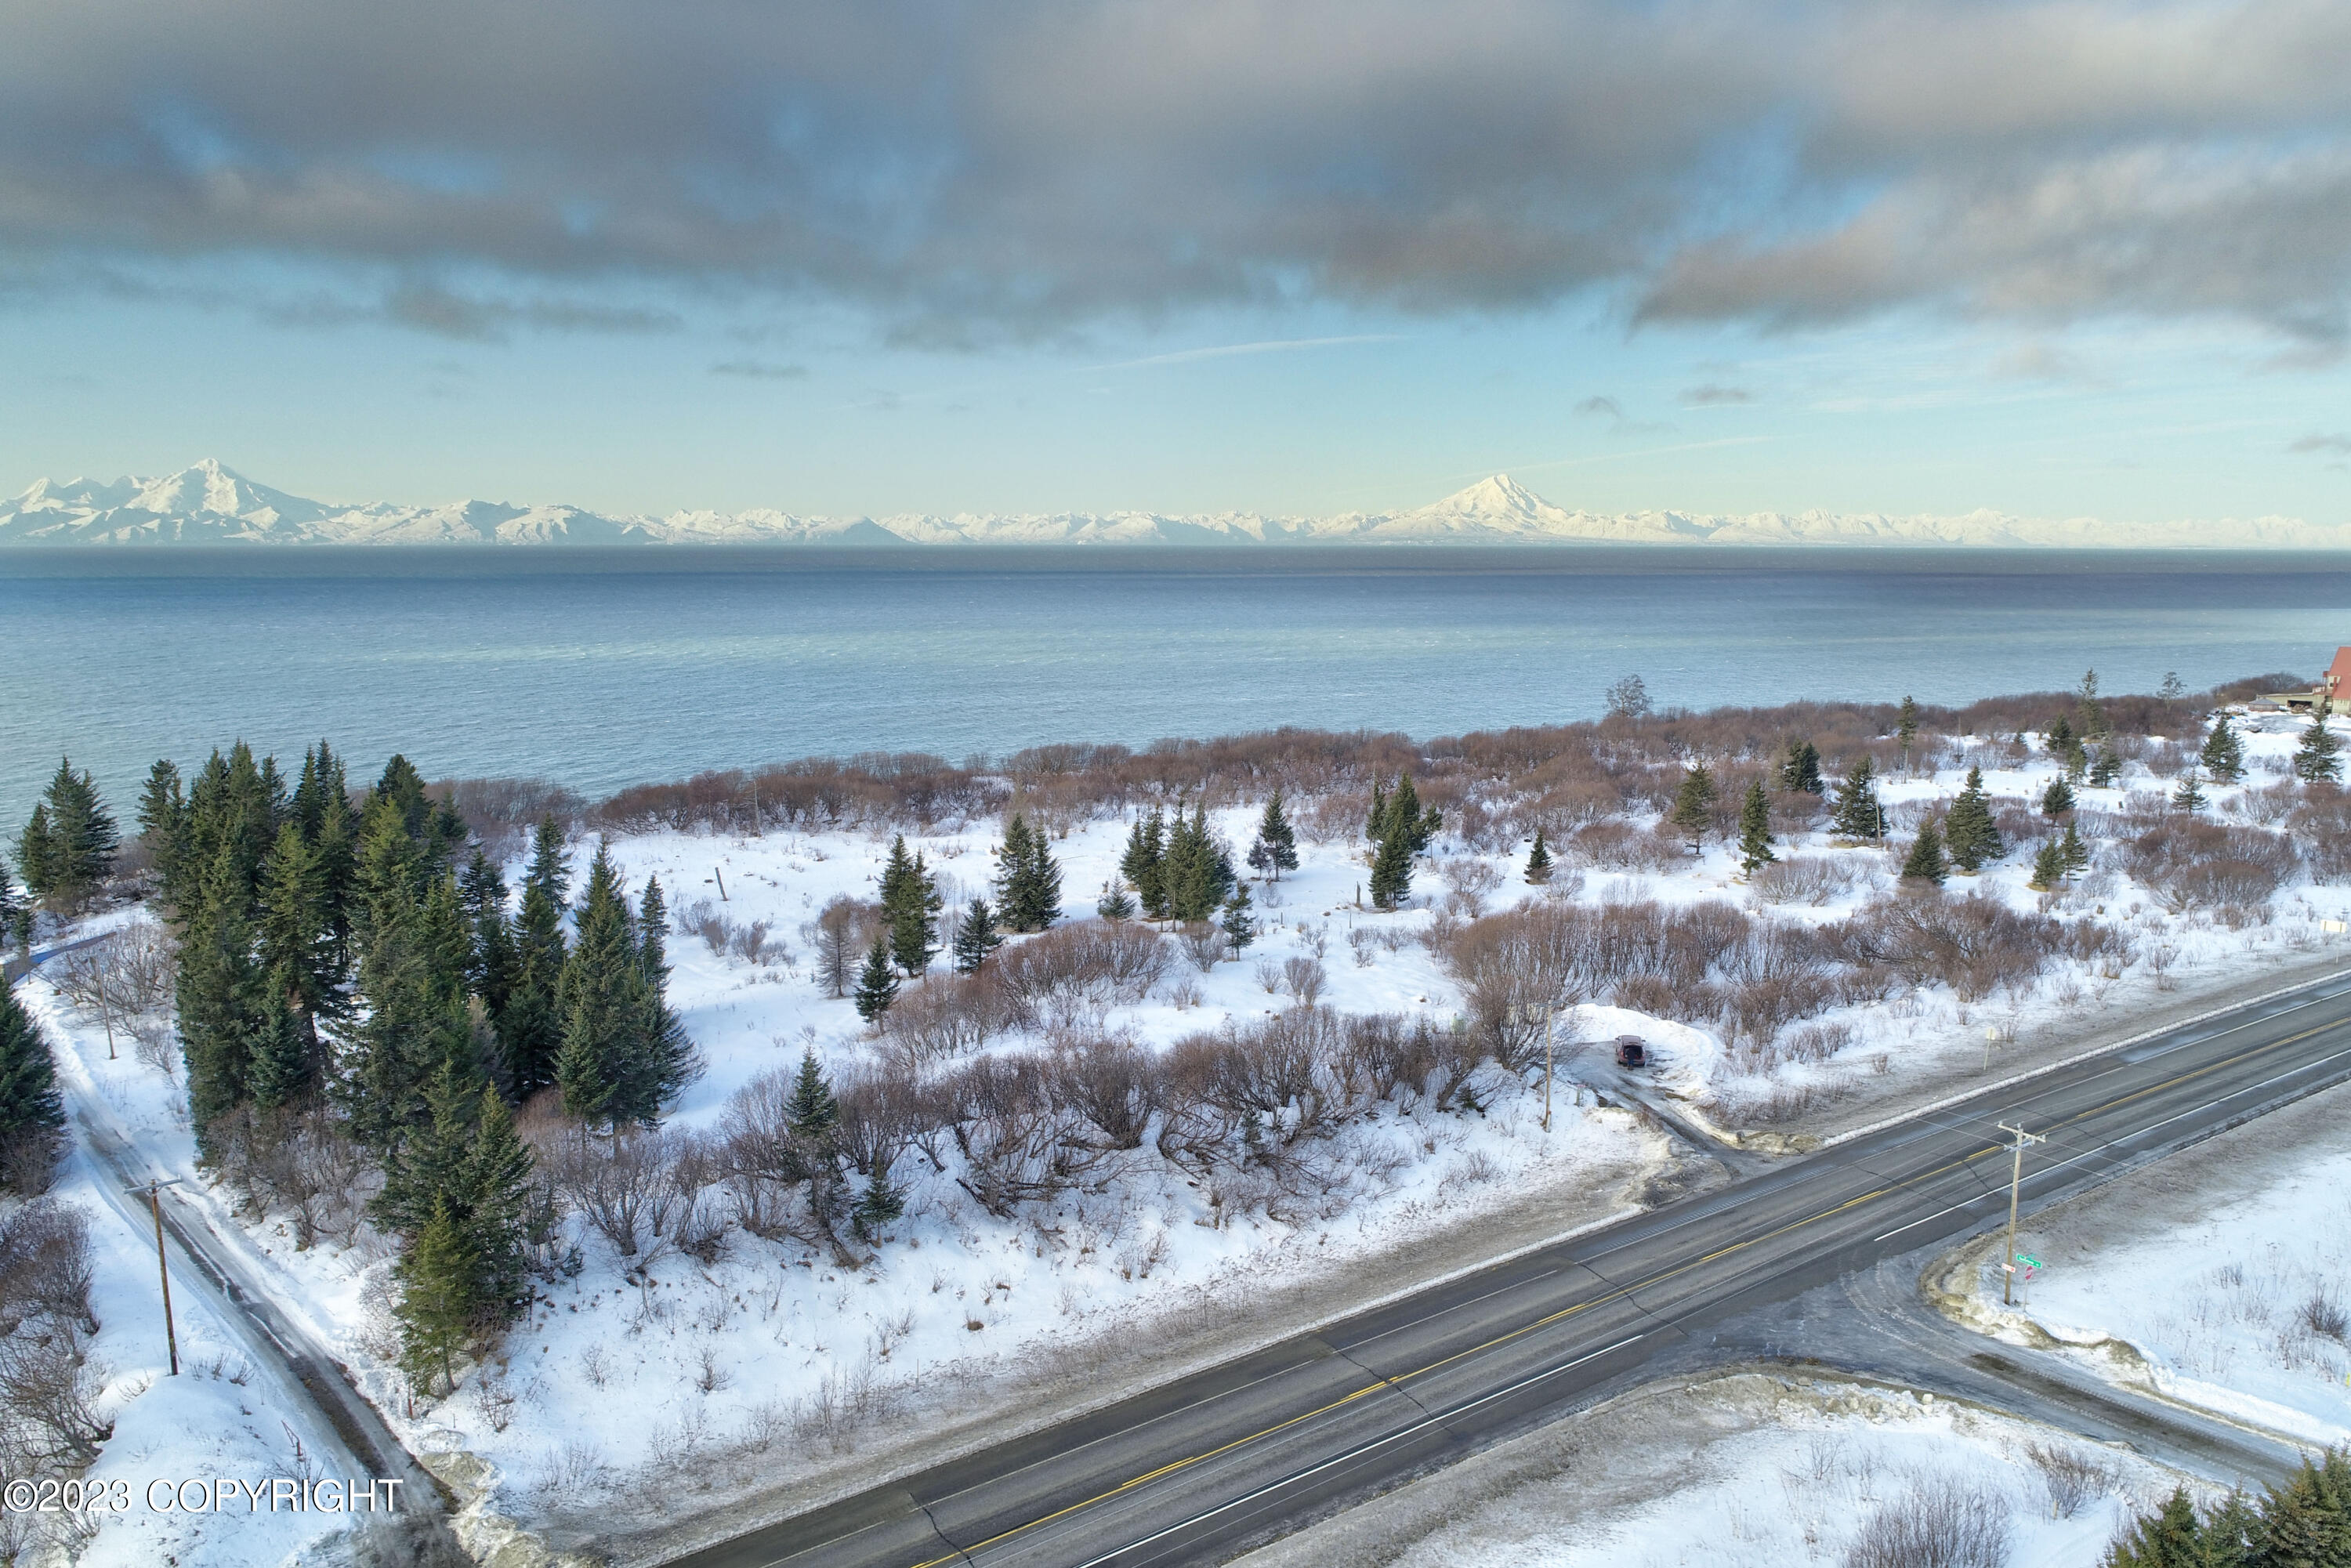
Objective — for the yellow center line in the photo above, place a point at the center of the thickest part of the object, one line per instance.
(1610, 1298)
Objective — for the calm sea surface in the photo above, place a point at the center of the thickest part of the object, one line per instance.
(600, 668)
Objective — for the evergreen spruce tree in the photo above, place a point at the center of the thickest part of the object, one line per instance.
(530, 1029)
(163, 825)
(1970, 836)
(976, 937)
(1906, 729)
(436, 1310)
(1755, 829)
(811, 1109)
(877, 983)
(2223, 755)
(496, 1183)
(2071, 850)
(1028, 879)
(1116, 903)
(1693, 808)
(220, 1005)
(2104, 769)
(1195, 873)
(611, 1047)
(281, 1050)
(1539, 859)
(1240, 925)
(424, 1168)
(665, 1061)
(1277, 838)
(2317, 761)
(2171, 1537)
(12, 908)
(1856, 813)
(490, 956)
(37, 853)
(2188, 796)
(69, 845)
(411, 980)
(2058, 799)
(1924, 862)
(910, 902)
(297, 941)
(2089, 714)
(1140, 865)
(2048, 866)
(1801, 773)
(32, 1116)
(877, 1206)
(1391, 873)
(2065, 747)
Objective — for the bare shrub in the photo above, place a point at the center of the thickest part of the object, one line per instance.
(300, 1163)
(839, 937)
(1812, 879)
(1110, 1081)
(1019, 1144)
(1468, 885)
(1204, 943)
(615, 1183)
(2322, 1313)
(1942, 1522)
(1269, 975)
(1619, 845)
(1973, 945)
(949, 1015)
(48, 1387)
(1081, 966)
(127, 972)
(1514, 962)
(2073, 1477)
(2190, 864)
(1302, 979)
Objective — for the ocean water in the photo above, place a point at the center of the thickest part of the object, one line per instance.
(601, 668)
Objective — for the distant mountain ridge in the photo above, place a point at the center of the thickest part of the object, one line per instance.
(209, 504)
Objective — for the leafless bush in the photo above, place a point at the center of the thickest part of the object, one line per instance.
(299, 1163)
(1302, 979)
(839, 937)
(1943, 1522)
(1113, 1084)
(2322, 1313)
(2266, 807)
(1973, 945)
(1811, 880)
(950, 1015)
(1468, 883)
(1020, 1142)
(125, 973)
(2191, 864)
(1084, 965)
(1381, 1053)
(2073, 1477)
(48, 1388)
(157, 1043)
(1619, 845)
(1269, 975)
(615, 1183)
(1204, 943)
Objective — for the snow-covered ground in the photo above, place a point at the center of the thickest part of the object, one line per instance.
(1744, 1469)
(624, 1376)
(2217, 1278)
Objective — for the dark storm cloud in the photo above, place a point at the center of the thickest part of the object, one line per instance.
(1029, 166)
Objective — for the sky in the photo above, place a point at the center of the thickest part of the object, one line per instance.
(2078, 259)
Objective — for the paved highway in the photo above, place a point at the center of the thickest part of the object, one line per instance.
(1195, 1470)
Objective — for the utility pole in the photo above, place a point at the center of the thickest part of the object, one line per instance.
(1549, 1012)
(2015, 1179)
(171, 1334)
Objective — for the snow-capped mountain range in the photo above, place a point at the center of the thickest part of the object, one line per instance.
(211, 505)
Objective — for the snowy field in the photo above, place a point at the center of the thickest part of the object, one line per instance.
(1750, 1469)
(2216, 1279)
(714, 1343)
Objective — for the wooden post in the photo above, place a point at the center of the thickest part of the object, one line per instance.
(171, 1334)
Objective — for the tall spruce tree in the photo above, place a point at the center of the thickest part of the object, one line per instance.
(1240, 925)
(1856, 813)
(602, 1000)
(2072, 850)
(1970, 836)
(530, 1029)
(2048, 866)
(667, 1061)
(810, 1110)
(1801, 773)
(437, 1310)
(877, 983)
(2317, 760)
(1196, 870)
(1693, 808)
(1275, 850)
(2189, 795)
(2223, 755)
(1027, 879)
(163, 827)
(68, 846)
(2106, 767)
(976, 937)
(2089, 714)
(1925, 863)
(910, 904)
(1755, 829)
(1906, 729)
(2058, 799)
(1140, 865)
(32, 1116)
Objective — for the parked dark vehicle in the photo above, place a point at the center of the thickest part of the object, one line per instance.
(1631, 1051)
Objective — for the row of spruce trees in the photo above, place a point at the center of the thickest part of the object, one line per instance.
(337, 957)
(2304, 1523)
